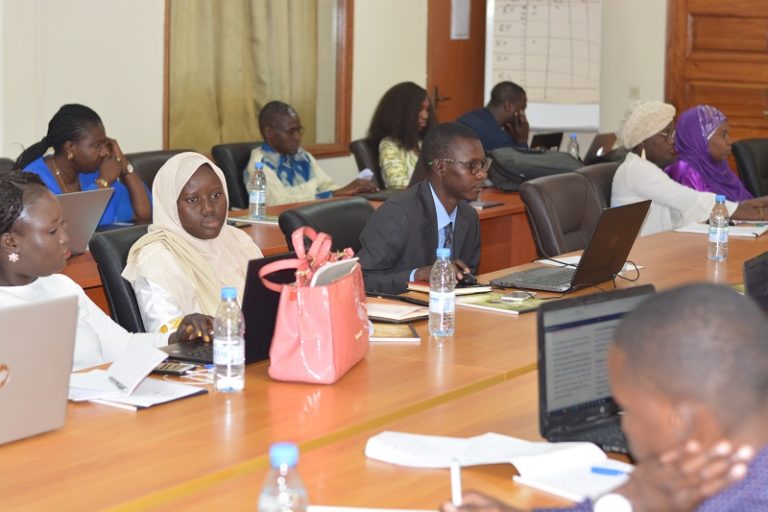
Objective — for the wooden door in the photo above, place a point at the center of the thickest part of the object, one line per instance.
(455, 68)
(717, 54)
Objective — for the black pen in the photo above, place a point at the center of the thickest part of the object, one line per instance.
(402, 298)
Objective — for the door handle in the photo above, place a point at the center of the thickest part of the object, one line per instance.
(437, 98)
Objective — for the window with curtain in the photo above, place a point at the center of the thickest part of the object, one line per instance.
(229, 58)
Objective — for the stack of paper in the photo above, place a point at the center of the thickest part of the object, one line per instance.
(124, 384)
(572, 470)
(742, 230)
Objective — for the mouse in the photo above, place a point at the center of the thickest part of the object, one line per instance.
(467, 280)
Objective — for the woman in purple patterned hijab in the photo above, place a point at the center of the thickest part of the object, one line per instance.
(703, 145)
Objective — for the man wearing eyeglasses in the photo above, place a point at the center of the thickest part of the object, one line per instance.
(293, 175)
(401, 237)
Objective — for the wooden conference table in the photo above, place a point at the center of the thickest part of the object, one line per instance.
(212, 450)
(505, 236)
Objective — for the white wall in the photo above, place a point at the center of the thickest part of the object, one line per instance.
(109, 55)
(633, 53)
(389, 48)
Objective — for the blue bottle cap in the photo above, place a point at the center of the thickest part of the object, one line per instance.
(719, 198)
(443, 252)
(573, 135)
(283, 453)
(259, 165)
(228, 293)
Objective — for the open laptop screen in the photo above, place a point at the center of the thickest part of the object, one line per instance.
(756, 279)
(576, 335)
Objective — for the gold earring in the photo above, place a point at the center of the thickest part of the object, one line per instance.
(70, 156)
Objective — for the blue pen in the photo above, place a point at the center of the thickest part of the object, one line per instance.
(607, 471)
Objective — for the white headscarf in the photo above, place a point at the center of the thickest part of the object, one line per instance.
(209, 264)
(644, 119)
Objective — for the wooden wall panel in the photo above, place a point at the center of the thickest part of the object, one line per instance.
(716, 33)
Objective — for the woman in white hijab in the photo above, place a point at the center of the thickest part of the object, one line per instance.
(189, 253)
(648, 131)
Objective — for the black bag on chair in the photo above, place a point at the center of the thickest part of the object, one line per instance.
(511, 167)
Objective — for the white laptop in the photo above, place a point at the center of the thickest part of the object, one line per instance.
(36, 351)
(83, 210)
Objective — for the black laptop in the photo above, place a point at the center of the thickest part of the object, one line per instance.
(549, 141)
(575, 401)
(259, 311)
(601, 261)
(756, 279)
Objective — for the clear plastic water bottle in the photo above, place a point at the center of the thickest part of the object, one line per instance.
(257, 192)
(442, 295)
(228, 343)
(283, 489)
(717, 248)
(573, 147)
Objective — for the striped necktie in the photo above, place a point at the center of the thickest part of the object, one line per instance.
(448, 235)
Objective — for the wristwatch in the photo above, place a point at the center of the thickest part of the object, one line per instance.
(129, 168)
(612, 503)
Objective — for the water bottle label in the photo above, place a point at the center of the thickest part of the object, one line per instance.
(226, 354)
(718, 235)
(442, 302)
(257, 197)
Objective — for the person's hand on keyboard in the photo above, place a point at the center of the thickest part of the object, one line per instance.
(193, 327)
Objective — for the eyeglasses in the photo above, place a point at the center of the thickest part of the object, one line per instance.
(669, 135)
(291, 131)
(474, 167)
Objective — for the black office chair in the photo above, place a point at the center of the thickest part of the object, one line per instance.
(367, 157)
(563, 210)
(752, 162)
(147, 163)
(343, 219)
(6, 164)
(600, 176)
(232, 158)
(110, 250)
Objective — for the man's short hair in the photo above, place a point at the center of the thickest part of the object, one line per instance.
(439, 140)
(701, 342)
(506, 91)
(271, 111)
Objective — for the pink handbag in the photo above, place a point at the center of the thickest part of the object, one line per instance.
(321, 331)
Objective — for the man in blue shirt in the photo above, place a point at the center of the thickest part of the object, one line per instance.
(399, 241)
(502, 123)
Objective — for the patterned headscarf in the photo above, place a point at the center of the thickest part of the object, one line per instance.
(695, 166)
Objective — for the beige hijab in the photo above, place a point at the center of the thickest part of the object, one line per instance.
(644, 119)
(208, 264)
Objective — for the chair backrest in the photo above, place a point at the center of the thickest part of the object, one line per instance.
(343, 219)
(563, 210)
(6, 164)
(600, 176)
(147, 163)
(752, 162)
(110, 250)
(367, 157)
(232, 158)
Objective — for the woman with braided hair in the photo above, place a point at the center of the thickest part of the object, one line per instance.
(84, 158)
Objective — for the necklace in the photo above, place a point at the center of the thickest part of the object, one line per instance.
(59, 177)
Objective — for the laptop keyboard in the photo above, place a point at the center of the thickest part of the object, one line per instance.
(558, 278)
(608, 436)
(204, 351)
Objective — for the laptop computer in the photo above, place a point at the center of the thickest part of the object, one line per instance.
(35, 363)
(83, 210)
(551, 141)
(756, 279)
(259, 311)
(601, 145)
(575, 401)
(601, 261)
